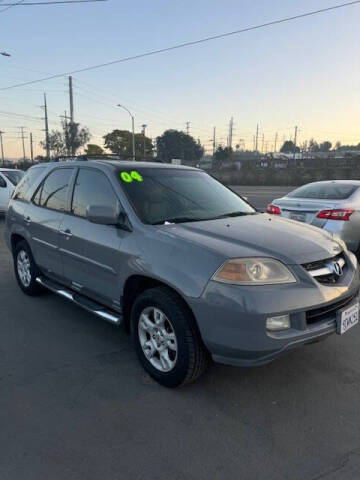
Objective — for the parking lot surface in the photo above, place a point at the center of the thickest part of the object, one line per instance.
(76, 405)
(261, 196)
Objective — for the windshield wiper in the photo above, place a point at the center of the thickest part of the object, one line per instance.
(232, 214)
(177, 220)
(191, 219)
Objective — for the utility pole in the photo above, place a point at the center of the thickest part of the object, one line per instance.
(231, 127)
(262, 143)
(257, 138)
(72, 148)
(295, 138)
(2, 148)
(23, 143)
(66, 132)
(276, 139)
(143, 132)
(71, 100)
(31, 148)
(187, 128)
(47, 142)
(214, 141)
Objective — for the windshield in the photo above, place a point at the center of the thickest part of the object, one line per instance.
(175, 195)
(13, 175)
(324, 191)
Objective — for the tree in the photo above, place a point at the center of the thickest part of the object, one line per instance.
(68, 140)
(93, 149)
(222, 154)
(120, 143)
(176, 144)
(74, 136)
(325, 146)
(313, 146)
(289, 147)
(56, 143)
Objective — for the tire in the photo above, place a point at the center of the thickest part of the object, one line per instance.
(26, 270)
(175, 332)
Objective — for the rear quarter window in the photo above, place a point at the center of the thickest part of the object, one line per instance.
(327, 191)
(24, 189)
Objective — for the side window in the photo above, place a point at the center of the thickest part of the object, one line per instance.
(2, 182)
(92, 188)
(23, 190)
(53, 191)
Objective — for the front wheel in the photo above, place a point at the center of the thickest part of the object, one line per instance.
(166, 339)
(26, 270)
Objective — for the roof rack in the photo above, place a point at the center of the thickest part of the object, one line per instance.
(86, 158)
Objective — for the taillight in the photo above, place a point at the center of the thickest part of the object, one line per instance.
(337, 214)
(273, 209)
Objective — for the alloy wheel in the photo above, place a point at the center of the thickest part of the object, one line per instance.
(157, 339)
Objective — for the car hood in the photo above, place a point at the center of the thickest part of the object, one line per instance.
(259, 235)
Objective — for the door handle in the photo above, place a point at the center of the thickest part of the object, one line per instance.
(66, 232)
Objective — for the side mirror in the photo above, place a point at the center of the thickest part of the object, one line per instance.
(3, 183)
(102, 215)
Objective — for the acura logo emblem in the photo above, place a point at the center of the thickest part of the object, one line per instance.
(337, 269)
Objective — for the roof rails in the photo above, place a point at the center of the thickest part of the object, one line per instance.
(86, 158)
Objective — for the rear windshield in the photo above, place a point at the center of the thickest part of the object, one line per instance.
(324, 191)
(13, 175)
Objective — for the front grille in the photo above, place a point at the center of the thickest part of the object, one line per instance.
(322, 270)
(328, 312)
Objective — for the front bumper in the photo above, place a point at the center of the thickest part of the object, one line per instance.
(232, 319)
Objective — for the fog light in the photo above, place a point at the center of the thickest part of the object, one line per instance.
(281, 322)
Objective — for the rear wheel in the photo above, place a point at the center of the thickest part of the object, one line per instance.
(26, 270)
(166, 339)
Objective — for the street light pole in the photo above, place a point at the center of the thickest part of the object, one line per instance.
(144, 139)
(133, 130)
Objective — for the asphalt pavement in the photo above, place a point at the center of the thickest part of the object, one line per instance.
(76, 405)
(261, 196)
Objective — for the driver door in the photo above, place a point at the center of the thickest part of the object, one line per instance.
(90, 252)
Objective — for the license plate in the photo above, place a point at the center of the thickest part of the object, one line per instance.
(347, 319)
(300, 217)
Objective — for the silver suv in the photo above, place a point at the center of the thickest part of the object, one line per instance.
(188, 266)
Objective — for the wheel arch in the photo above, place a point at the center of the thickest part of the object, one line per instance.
(15, 239)
(136, 284)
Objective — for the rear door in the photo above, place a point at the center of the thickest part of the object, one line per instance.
(44, 216)
(90, 252)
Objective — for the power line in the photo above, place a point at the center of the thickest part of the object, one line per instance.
(50, 2)
(11, 5)
(186, 44)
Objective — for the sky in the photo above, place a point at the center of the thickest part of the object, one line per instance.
(304, 73)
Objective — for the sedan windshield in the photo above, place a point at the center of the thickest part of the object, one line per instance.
(166, 195)
(324, 191)
(13, 175)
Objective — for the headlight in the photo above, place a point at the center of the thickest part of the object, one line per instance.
(340, 242)
(253, 271)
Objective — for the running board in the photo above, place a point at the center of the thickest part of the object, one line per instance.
(84, 302)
